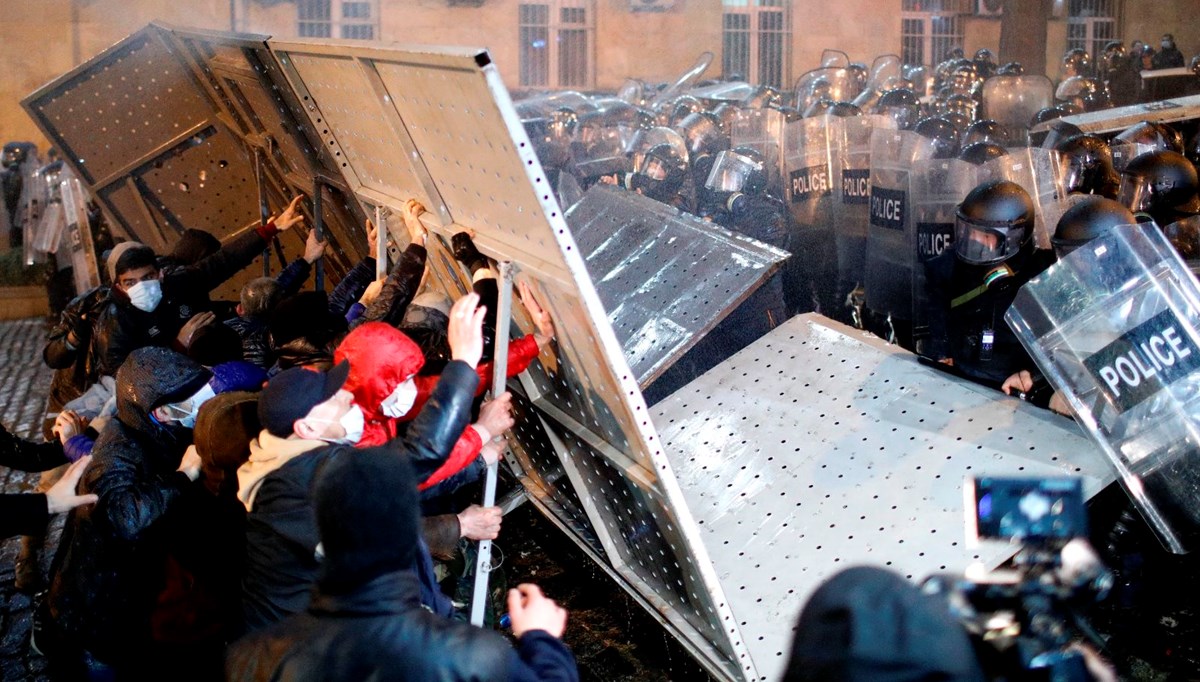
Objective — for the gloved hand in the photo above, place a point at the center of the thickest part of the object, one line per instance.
(237, 375)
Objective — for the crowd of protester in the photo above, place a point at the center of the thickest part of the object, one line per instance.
(260, 489)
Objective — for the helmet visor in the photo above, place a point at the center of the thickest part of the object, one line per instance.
(1136, 193)
(1124, 152)
(987, 244)
(654, 168)
(731, 171)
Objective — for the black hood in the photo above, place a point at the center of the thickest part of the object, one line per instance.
(151, 377)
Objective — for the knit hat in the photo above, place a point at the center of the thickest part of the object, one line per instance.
(115, 254)
(194, 245)
(367, 514)
(867, 623)
(292, 394)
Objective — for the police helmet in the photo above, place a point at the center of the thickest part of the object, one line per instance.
(987, 130)
(980, 153)
(1161, 184)
(901, 105)
(993, 223)
(941, 134)
(1086, 220)
(741, 169)
(1088, 166)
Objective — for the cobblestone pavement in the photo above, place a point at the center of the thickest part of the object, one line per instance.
(24, 384)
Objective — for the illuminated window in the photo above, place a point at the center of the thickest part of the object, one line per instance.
(931, 29)
(557, 41)
(1091, 24)
(756, 41)
(358, 19)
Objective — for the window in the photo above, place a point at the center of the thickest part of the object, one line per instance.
(930, 29)
(1091, 24)
(557, 40)
(756, 41)
(356, 19)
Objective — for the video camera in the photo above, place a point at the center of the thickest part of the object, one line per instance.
(1024, 617)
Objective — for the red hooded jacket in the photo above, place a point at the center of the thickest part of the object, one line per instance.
(381, 358)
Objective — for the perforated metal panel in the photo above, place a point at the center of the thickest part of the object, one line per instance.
(585, 447)
(820, 447)
(165, 128)
(665, 276)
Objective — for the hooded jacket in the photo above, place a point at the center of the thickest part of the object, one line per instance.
(381, 358)
(381, 632)
(109, 564)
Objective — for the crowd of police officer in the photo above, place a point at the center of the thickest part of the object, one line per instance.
(915, 203)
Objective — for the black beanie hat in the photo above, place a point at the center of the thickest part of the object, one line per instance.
(305, 315)
(870, 624)
(367, 513)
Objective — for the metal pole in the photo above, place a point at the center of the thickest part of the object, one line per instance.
(319, 226)
(264, 211)
(381, 237)
(483, 563)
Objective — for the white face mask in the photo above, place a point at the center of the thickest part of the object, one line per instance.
(146, 295)
(352, 422)
(401, 400)
(184, 412)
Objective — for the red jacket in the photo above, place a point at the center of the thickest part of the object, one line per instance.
(381, 358)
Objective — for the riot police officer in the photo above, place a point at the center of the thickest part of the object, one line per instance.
(1161, 186)
(973, 285)
(1088, 166)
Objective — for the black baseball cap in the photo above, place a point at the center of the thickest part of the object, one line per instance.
(292, 393)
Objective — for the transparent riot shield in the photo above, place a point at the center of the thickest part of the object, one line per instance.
(936, 188)
(1013, 100)
(888, 276)
(730, 92)
(30, 205)
(886, 74)
(77, 233)
(762, 130)
(1115, 327)
(1184, 235)
(49, 229)
(599, 151)
(852, 198)
(834, 58)
(810, 169)
(1123, 152)
(830, 83)
(685, 81)
(1040, 172)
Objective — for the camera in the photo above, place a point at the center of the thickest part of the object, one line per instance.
(1025, 616)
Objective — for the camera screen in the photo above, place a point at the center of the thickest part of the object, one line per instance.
(1027, 508)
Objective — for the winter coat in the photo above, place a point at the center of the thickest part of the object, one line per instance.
(75, 366)
(109, 565)
(381, 632)
(121, 328)
(281, 530)
(398, 289)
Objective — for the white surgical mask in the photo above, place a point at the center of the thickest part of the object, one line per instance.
(352, 423)
(401, 399)
(184, 412)
(145, 295)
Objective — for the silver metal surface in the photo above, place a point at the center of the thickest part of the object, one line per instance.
(1119, 118)
(665, 277)
(820, 447)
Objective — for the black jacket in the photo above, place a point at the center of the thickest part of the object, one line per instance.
(76, 367)
(380, 632)
(27, 455)
(122, 328)
(962, 310)
(109, 565)
(281, 529)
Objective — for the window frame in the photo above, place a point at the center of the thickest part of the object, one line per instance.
(566, 57)
(758, 30)
(330, 15)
